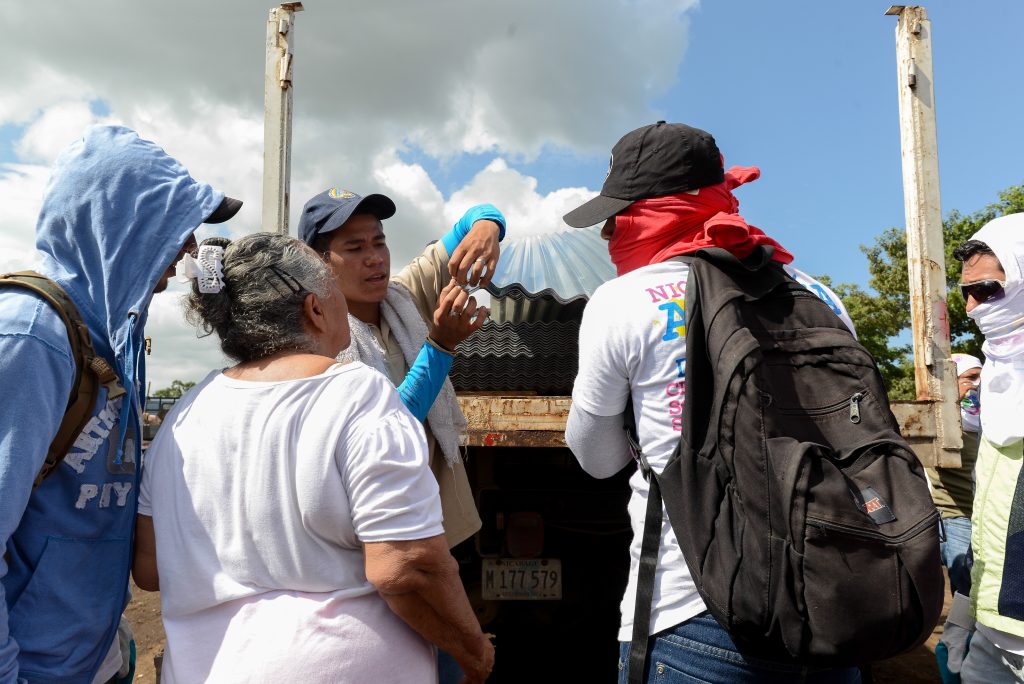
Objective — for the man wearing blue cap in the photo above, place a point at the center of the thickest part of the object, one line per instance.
(408, 326)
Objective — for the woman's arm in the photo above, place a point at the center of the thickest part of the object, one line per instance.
(144, 570)
(419, 579)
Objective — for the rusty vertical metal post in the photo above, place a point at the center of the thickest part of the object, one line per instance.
(277, 117)
(934, 371)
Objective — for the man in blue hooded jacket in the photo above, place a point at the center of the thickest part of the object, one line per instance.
(116, 215)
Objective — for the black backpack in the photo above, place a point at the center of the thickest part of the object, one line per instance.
(804, 517)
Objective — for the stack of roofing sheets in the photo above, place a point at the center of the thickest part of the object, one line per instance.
(540, 287)
(525, 356)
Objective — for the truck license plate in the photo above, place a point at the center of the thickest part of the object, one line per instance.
(526, 579)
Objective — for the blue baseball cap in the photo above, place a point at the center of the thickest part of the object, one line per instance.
(330, 209)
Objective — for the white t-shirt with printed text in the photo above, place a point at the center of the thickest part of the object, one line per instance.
(632, 343)
(262, 495)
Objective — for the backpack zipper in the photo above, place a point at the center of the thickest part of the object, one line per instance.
(826, 526)
(853, 402)
(855, 407)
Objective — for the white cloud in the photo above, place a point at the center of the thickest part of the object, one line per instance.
(38, 83)
(448, 77)
(424, 215)
(527, 212)
(49, 134)
(21, 192)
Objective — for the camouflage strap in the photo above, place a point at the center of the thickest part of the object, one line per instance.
(91, 370)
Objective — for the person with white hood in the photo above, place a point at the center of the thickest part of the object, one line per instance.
(953, 488)
(993, 287)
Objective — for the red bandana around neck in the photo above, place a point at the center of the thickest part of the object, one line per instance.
(650, 231)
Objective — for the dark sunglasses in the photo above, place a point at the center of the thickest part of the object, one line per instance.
(982, 290)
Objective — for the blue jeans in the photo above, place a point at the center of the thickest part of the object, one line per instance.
(699, 650)
(448, 670)
(954, 553)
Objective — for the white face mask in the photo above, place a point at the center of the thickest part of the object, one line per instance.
(970, 410)
(1001, 320)
(1001, 317)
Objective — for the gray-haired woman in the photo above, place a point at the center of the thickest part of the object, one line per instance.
(287, 513)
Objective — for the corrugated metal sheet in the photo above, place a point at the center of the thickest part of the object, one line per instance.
(571, 264)
(513, 303)
(528, 339)
(539, 291)
(539, 357)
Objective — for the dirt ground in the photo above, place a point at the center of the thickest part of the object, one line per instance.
(916, 667)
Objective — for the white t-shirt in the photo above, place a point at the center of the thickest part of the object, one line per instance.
(262, 494)
(632, 342)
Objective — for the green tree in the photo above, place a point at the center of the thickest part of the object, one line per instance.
(177, 388)
(883, 315)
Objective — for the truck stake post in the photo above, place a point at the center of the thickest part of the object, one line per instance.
(935, 416)
(277, 117)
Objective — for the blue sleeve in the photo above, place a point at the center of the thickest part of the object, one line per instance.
(453, 237)
(424, 380)
(39, 377)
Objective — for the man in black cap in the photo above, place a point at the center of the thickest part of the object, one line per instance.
(666, 194)
(117, 213)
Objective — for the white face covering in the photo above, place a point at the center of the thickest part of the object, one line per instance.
(1001, 321)
(970, 405)
(970, 410)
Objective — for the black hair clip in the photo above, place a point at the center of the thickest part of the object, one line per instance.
(288, 279)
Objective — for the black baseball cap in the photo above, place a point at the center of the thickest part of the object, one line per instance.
(327, 211)
(659, 159)
(227, 208)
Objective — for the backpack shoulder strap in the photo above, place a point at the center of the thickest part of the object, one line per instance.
(649, 552)
(91, 370)
(730, 277)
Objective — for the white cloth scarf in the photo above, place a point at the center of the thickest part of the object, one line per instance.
(970, 410)
(1001, 321)
(445, 417)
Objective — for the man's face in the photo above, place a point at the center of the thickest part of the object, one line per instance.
(981, 267)
(968, 380)
(359, 257)
(190, 246)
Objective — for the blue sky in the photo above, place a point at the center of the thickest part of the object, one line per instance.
(445, 104)
(808, 93)
(811, 96)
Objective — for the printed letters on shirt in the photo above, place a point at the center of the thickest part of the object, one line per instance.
(96, 433)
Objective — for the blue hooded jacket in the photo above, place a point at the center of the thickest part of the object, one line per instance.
(115, 214)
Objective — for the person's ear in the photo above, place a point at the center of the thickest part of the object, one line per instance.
(315, 315)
